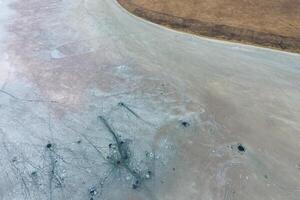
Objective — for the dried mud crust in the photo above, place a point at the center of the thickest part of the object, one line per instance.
(219, 31)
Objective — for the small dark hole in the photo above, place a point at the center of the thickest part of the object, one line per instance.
(121, 104)
(134, 186)
(49, 146)
(266, 176)
(241, 148)
(79, 142)
(93, 191)
(185, 124)
(110, 145)
(174, 169)
(33, 173)
(118, 162)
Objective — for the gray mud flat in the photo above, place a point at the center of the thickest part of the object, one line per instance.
(98, 104)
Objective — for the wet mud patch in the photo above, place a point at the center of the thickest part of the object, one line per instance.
(123, 142)
(132, 140)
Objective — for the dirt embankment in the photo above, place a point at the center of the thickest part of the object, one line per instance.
(257, 31)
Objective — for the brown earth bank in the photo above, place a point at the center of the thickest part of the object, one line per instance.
(266, 23)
